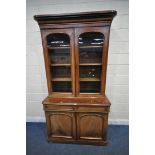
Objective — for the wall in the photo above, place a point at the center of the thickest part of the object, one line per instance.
(117, 74)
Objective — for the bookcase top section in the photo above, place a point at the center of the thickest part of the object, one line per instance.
(107, 15)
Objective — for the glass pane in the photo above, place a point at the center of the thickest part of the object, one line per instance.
(58, 40)
(59, 56)
(90, 61)
(90, 47)
(61, 86)
(91, 55)
(90, 71)
(58, 45)
(89, 87)
(59, 72)
(91, 38)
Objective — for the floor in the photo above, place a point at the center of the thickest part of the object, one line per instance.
(118, 143)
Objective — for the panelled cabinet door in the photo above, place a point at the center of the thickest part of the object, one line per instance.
(59, 56)
(61, 125)
(91, 126)
(91, 47)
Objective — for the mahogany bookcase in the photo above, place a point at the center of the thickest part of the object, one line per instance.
(75, 48)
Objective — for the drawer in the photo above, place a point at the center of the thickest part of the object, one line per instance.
(58, 108)
(93, 109)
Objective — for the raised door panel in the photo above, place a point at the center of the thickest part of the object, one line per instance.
(61, 125)
(91, 126)
(91, 47)
(59, 60)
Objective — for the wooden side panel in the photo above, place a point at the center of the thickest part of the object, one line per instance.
(61, 125)
(90, 126)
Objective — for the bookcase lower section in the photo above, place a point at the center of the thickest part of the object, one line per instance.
(77, 141)
(77, 123)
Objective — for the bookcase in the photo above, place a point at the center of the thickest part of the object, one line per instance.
(75, 48)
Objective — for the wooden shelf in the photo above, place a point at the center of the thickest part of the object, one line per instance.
(61, 47)
(60, 64)
(89, 79)
(90, 64)
(61, 79)
(91, 46)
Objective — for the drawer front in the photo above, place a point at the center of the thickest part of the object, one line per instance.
(76, 108)
(57, 108)
(93, 109)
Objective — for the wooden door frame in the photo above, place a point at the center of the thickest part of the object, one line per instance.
(70, 33)
(106, 32)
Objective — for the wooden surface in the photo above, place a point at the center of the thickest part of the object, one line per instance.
(106, 15)
(77, 120)
(76, 117)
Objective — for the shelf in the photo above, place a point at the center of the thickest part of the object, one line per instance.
(90, 46)
(90, 64)
(61, 79)
(89, 79)
(60, 64)
(59, 47)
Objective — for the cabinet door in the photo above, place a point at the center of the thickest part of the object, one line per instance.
(61, 125)
(59, 59)
(92, 126)
(91, 47)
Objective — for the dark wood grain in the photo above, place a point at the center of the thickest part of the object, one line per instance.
(106, 15)
(83, 122)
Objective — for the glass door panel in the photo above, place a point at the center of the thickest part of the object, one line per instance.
(58, 40)
(90, 72)
(89, 87)
(62, 86)
(59, 54)
(90, 61)
(91, 39)
(90, 55)
(60, 72)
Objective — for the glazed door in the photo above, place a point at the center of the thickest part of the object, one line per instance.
(91, 47)
(58, 47)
